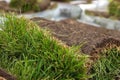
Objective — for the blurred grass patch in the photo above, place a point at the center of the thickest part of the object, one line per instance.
(108, 66)
(31, 53)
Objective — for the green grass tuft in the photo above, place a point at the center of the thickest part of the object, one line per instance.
(30, 53)
(114, 8)
(25, 5)
(108, 66)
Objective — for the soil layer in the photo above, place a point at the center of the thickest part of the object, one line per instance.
(71, 32)
(5, 76)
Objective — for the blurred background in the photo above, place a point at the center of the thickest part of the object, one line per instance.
(103, 13)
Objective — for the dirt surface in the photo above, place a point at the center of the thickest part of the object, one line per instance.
(5, 76)
(72, 32)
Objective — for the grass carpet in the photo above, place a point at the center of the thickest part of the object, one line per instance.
(108, 66)
(31, 53)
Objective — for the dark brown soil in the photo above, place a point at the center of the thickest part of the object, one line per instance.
(5, 75)
(72, 32)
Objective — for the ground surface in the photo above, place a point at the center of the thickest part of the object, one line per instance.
(72, 32)
(6, 76)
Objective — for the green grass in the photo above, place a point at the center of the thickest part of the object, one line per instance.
(114, 8)
(108, 66)
(25, 5)
(31, 53)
